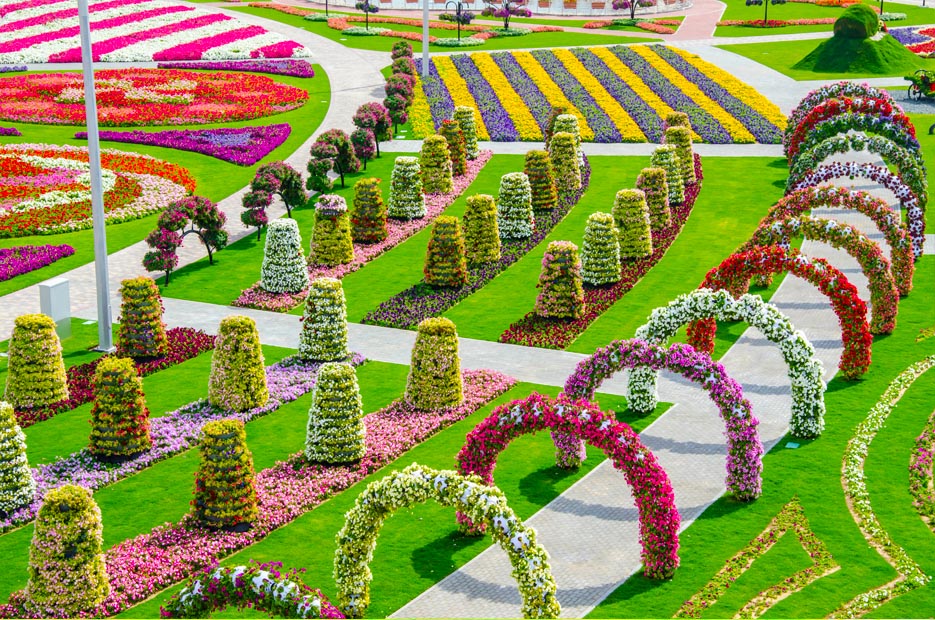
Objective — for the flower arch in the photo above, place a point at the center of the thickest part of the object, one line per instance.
(832, 91)
(844, 123)
(805, 370)
(863, 114)
(207, 223)
(652, 492)
(735, 272)
(744, 450)
(915, 212)
(481, 503)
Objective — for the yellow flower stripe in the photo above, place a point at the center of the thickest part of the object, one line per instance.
(519, 113)
(629, 130)
(458, 89)
(551, 91)
(746, 93)
(735, 128)
(636, 83)
(420, 114)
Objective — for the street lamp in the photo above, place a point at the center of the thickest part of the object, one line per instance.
(458, 6)
(425, 38)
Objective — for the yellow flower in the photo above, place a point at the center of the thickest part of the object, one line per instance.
(519, 113)
(420, 115)
(551, 91)
(458, 89)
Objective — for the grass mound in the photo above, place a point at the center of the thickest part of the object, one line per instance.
(843, 55)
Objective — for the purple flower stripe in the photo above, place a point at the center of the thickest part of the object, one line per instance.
(538, 105)
(763, 130)
(13, 68)
(290, 67)
(604, 129)
(9, 132)
(25, 258)
(440, 102)
(909, 35)
(641, 112)
(243, 146)
(703, 123)
(498, 122)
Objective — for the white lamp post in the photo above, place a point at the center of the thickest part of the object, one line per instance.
(425, 38)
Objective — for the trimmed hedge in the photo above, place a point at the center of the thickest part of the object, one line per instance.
(600, 251)
(434, 380)
(406, 199)
(667, 158)
(481, 233)
(538, 167)
(225, 487)
(368, 221)
(324, 324)
(436, 165)
(653, 183)
(515, 219)
(457, 150)
(562, 296)
(681, 139)
(141, 332)
(35, 369)
(445, 264)
(631, 215)
(283, 269)
(465, 115)
(17, 486)
(331, 242)
(565, 163)
(336, 431)
(238, 377)
(119, 417)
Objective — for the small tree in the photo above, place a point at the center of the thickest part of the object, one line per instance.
(406, 199)
(481, 233)
(600, 251)
(653, 183)
(453, 135)
(681, 139)
(444, 260)
(336, 431)
(344, 160)
(515, 219)
(554, 113)
(225, 491)
(666, 157)
(538, 167)
(373, 115)
(238, 377)
(365, 145)
(368, 221)
(434, 380)
(565, 163)
(331, 242)
(766, 4)
(677, 119)
(367, 8)
(119, 417)
(400, 49)
(436, 165)
(35, 369)
(283, 269)
(562, 296)
(17, 486)
(397, 110)
(631, 215)
(324, 324)
(280, 179)
(465, 115)
(630, 5)
(400, 85)
(568, 123)
(505, 9)
(323, 156)
(141, 333)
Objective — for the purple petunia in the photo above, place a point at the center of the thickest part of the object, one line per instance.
(290, 67)
(498, 122)
(25, 258)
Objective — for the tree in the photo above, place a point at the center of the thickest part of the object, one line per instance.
(561, 295)
(620, 5)
(367, 8)
(225, 491)
(400, 49)
(336, 431)
(365, 146)
(374, 115)
(141, 333)
(119, 417)
(767, 3)
(342, 159)
(444, 259)
(281, 179)
(238, 377)
(506, 9)
(321, 162)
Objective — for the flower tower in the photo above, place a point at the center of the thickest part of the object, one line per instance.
(225, 492)
(631, 216)
(436, 165)
(481, 234)
(667, 158)
(565, 163)
(515, 218)
(600, 251)
(142, 332)
(554, 113)
(17, 486)
(368, 221)
(681, 139)
(562, 296)
(653, 183)
(324, 324)
(119, 417)
(331, 242)
(406, 199)
(434, 380)
(445, 264)
(568, 123)
(67, 574)
(457, 149)
(538, 167)
(238, 377)
(336, 431)
(35, 369)
(468, 124)
(677, 119)
(283, 269)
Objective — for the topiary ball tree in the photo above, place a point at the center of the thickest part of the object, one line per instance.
(332, 243)
(238, 377)
(67, 574)
(445, 265)
(452, 133)
(481, 233)
(365, 145)
(681, 139)
(374, 116)
(17, 486)
(538, 167)
(35, 369)
(400, 49)
(515, 218)
(324, 323)
(225, 491)
(600, 251)
(406, 199)
(336, 431)
(653, 183)
(405, 65)
(677, 119)
(667, 158)
(434, 380)
(283, 269)
(631, 216)
(345, 160)
(323, 156)
(568, 123)
(467, 121)
(436, 165)
(141, 333)
(565, 163)
(561, 295)
(858, 21)
(368, 221)
(119, 417)
(554, 113)
(280, 179)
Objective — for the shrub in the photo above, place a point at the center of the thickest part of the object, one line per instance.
(406, 199)
(324, 324)
(141, 332)
(119, 417)
(653, 183)
(515, 219)
(565, 163)
(858, 21)
(404, 64)
(400, 85)
(331, 242)
(677, 119)
(434, 378)
(667, 158)
(35, 369)
(238, 378)
(17, 486)
(554, 113)
(225, 492)
(568, 123)
(400, 49)
(468, 124)
(365, 145)
(373, 115)
(562, 295)
(368, 222)
(336, 432)
(283, 269)
(631, 215)
(600, 251)
(481, 233)
(452, 133)
(67, 574)
(444, 260)
(436, 165)
(681, 139)
(538, 167)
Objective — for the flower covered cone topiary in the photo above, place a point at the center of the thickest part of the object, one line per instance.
(406, 199)
(324, 324)
(653, 183)
(238, 377)
(481, 233)
(225, 492)
(681, 139)
(554, 113)
(67, 574)
(538, 167)
(452, 133)
(368, 221)
(468, 124)
(436, 165)
(336, 432)
(515, 218)
(562, 296)
(565, 163)
(631, 215)
(444, 260)
(667, 158)
(600, 252)
(434, 378)
(119, 417)
(568, 123)
(331, 242)
(142, 332)
(17, 486)
(283, 269)
(677, 119)
(35, 370)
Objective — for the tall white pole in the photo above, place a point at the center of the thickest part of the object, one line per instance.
(425, 38)
(104, 318)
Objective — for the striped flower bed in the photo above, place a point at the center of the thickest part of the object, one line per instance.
(619, 94)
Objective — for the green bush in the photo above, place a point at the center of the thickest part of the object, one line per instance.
(331, 242)
(858, 21)
(406, 199)
(283, 269)
(465, 115)
(238, 377)
(681, 139)
(324, 324)
(481, 233)
(17, 486)
(434, 380)
(677, 119)
(538, 167)
(400, 49)
(280, 178)
(225, 491)
(666, 157)
(141, 332)
(368, 222)
(119, 417)
(67, 574)
(451, 131)
(561, 295)
(35, 369)
(600, 251)
(445, 264)
(436, 165)
(653, 183)
(565, 163)
(336, 432)
(515, 219)
(631, 215)
(345, 159)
